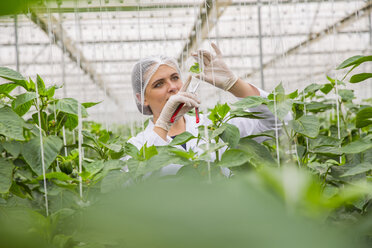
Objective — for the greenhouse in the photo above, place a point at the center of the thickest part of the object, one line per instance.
(194, 123)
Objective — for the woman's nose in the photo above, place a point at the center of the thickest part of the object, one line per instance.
(173, 86)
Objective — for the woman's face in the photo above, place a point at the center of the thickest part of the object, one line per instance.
(164, 83)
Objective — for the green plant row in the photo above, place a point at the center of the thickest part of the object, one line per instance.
(320, 171)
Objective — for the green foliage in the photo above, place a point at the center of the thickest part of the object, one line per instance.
(195, 68)
(320, 173)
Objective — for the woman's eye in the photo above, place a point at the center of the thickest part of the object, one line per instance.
(157, 85)
(175, 78)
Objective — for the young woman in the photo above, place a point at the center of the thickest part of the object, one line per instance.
(158, 91)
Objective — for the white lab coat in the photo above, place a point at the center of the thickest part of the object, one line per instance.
(246, 127)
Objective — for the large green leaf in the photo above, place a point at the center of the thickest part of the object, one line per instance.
(281, 108)
(11, 125)
(358, 146)
(250, 102)
(230, 135)
(258, 154)
(6, 175)
(7, 88)
(317, 106)
(358, 169)
(13, 147)
(32, 153)
(13, 76)
(70, 106)
(321, 140)
(56, 175)
(355, 60)
(364, 117)
(360, 77)
(307, 125)
(24, 98)
(346, 95)
(159, 161)
(233, 157)
(182, 138)
(114, 179)
(22, 109)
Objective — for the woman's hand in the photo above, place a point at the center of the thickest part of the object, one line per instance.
(189, 100)
(214, 69)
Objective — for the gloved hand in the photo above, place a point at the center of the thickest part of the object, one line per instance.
(214, 69)
(190, 101)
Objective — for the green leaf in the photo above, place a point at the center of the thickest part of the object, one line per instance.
(249, 102)
(364, 117)
(327, 150)
(50, 91)
(307, 125)
(355, 60)
(70, 106)
(182, 138)
(233, 157)
(346, 95)
(212, 147)
(13, 147)
(321, 140)
(11, 125)
(217, 131)
(24, 98)
(327, 88)
(6, 175)
(358, 169)
(13, 76)
(159, 161)
(358, 146)
(195, 68)
(131, 150)
(7, 88)
(22, 109)
(114, 179)
(40, 85)
(317, 106)
(312, 88)
(230, 135)
(360, 77)
(242, 113)
(94, 167)
(147, 152)
(281, 109)
(32, 153)
(90, 104)
(258, 154)
(56, 175)
(72, 121)
(222, 110)
(293, 95)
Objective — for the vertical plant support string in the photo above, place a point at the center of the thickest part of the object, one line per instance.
(42, 152)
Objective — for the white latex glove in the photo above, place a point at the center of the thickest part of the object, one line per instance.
(214, 69)
(190, 101)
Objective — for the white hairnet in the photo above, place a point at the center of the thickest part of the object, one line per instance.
(142, 72)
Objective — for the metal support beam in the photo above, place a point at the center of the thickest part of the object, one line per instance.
(204, 23)
(365, 10)
(16, 41)
(260, 45)
(155, 6)
(60, 36)
(237, 37)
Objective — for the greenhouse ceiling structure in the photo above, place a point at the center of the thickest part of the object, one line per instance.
(90, 46)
